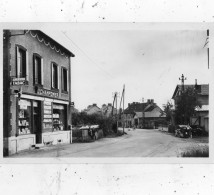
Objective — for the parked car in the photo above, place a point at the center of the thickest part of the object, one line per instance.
(197, 130)
(184, 131)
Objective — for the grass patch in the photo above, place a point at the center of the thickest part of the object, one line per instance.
(196, 152)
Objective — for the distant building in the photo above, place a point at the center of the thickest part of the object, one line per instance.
(36, 86)
(93, 109)
(107, 110)
(143, 115)
(201, 117)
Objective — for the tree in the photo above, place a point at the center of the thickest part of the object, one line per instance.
(186, 103)
(168, 110)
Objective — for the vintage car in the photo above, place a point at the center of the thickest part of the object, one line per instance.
(183, 131)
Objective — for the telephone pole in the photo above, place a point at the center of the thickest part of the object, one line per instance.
(142, 113)
(116, 94)
(123, 99)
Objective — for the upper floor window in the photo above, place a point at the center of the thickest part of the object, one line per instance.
(64, 79)
(21, 62)
(38, 69)
(55, 73)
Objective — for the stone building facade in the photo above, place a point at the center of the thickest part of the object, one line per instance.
(37, 90)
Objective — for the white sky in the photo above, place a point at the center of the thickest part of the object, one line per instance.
(148, 62)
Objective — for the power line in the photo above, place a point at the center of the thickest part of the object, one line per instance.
(84, 53)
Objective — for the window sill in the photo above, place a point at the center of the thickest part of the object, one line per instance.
(54, 89)
(65, 92)
(38, 85)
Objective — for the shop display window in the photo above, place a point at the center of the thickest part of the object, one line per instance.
(24, 117)
(59, 117)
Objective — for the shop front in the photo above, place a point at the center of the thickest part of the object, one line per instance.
(39, 121)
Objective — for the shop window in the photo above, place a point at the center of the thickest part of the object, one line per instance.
(21, 62)
(55, 81)
(59, 117)
(64, 80)
(24, 117)
(38, 69)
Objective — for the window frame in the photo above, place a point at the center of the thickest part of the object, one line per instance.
(62, 80)
(36, 55)
(26, 76)
(57, 68)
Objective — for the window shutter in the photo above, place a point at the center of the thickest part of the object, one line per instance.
(62, 83)
(67, 80)
(57, 77)
(27, 69)
(17, 62)
(52, 75)
(42, 74)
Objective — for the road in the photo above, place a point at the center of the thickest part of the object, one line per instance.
(136, 143)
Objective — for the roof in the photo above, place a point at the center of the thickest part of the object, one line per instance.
(55, 42)
(203, 89)
(135, 107)
(202, 108)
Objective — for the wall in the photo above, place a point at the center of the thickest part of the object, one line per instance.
(33, 46)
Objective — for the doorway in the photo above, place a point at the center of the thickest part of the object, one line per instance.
(37, 127)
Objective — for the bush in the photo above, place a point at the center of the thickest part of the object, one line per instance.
(196, 152)
(105, 123)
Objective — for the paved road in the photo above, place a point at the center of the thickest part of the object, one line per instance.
(137, 143)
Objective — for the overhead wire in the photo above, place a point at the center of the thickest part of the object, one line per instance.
(84, 53)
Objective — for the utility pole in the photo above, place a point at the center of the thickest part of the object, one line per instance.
(142, 113)
(115, 100)
(123, 107)
(122, 99)
(182, 82)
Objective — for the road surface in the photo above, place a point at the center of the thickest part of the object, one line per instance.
(136, 143)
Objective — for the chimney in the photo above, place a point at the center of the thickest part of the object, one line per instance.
(129, 104)
(94, 104)
(109, 104)
(152, 101)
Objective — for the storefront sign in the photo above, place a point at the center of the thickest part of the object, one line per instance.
(18, 81)
(46, 92)
(47, 116)
(47, 111)
(46, 103)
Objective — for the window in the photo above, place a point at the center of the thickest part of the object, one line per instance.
(55, 81)
(21, 62)
(64, 79)
(38, 69)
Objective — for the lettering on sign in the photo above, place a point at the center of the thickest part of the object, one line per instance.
(46, 103)
(18, 81)
(47, 107)
(46, 92)
(47, 111)
(47, 116)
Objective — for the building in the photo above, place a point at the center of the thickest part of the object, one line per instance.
(37, 90)
(143, 115)
(93, 109)
(107, 110)
(201, 116)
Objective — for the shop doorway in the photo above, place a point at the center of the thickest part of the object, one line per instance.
(37, 126)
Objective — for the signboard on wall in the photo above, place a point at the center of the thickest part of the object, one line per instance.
(48, 117)
(18, 81)
(47, 92)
